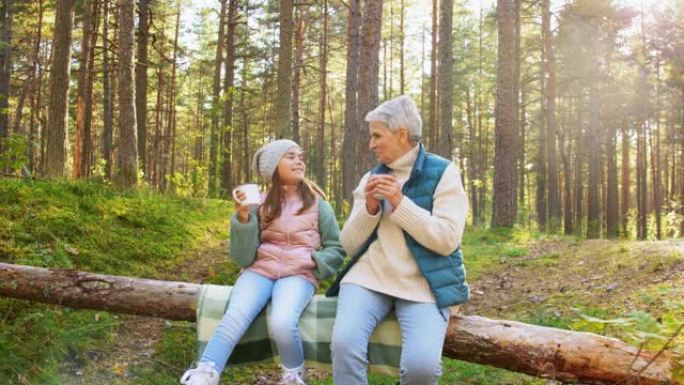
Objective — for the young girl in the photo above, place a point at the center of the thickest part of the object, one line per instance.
(285, 246)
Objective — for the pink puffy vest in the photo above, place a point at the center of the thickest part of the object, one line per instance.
(287, 243)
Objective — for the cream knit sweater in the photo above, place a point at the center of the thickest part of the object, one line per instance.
(388, 266)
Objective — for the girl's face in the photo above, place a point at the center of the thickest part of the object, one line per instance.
(291, 167)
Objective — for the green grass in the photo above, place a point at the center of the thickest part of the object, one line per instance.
(92, 227)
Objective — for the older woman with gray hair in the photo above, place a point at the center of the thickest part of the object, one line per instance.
(403, 233)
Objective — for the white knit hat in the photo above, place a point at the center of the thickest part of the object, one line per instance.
(266, 159)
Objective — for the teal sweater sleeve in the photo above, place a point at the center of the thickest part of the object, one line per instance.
(330, 256)
(244, 239)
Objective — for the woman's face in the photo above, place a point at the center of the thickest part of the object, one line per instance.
(291, 167)
(387, 145)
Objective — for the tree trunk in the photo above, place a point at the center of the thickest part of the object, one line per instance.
(170, 137)
(612, 186)
(654, 139)
(624, 180)
(59, 90)
(565, 144)
(473, 161)
(89, 158)
(198, 150)
(681, 161)
(245, 119)
(350, 161)
(141, 82)
(107, 132)
(642, 191)
(446, 88)
(504, 204)
(402, 38)
(422, 77)
(388, 45)
(155, 168)
(540, 161)
(369, 56)
(552, 185)
(128, 142)
(323, 97)
(36, 87)
(432, 119)
(479, 148)
(300, 30)
(335, 168)
(518, 110)
(283, 99)
(536, 350)
(385, 89)
(29, 89)
(594, 167)
(229, 81)
(83, 97)
(215, 102)
(578, 191)
(25, 89)
(5, 66)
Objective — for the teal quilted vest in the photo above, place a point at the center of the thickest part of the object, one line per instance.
(444, 274)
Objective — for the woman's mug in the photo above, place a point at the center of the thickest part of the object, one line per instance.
(251, 191)
(377, 195)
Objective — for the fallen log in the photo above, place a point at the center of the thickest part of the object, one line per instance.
(536, 350)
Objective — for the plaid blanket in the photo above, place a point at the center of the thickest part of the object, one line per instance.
(315, 326)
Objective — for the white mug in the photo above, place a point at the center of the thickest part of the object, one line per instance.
(251, 191)
(376, 195)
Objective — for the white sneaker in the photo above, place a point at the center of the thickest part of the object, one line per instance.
(204, 374)
(293, 376)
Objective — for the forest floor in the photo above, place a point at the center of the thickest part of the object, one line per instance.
(552, 283)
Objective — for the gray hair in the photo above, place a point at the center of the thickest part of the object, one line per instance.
(397, 113)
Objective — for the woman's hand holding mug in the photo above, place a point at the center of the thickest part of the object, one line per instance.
(383, 186)
(373, 197)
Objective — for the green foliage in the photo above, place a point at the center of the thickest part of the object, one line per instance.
(87, 226)
(14, 156)
(193, 184)
(674, 220)
(548, 317)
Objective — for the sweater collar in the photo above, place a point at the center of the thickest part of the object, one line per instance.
(406, 161)
(418, 159)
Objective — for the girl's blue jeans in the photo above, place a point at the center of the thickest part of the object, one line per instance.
(289, 297)
(359, 311)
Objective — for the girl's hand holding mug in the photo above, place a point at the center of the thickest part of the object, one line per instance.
(245, 196)
(242, 210)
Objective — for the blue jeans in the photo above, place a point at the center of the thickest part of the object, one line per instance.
(359, 311)
(251, 293)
